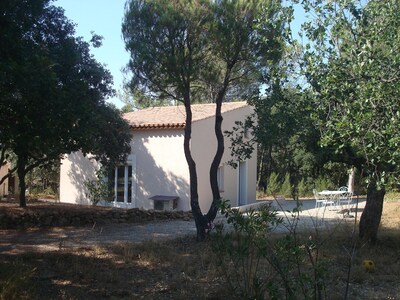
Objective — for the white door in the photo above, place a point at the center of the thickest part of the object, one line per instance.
(242, 184)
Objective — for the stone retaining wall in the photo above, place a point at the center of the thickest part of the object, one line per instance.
(59, 216)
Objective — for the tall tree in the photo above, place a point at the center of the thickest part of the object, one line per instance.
(352, 64)
(52, 91)
(198, 50)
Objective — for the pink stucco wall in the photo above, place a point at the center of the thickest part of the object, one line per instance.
(160, 167)
(204, 145)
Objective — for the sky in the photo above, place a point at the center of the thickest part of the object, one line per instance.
(104, 17)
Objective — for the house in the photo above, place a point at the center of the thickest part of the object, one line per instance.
(155, 175)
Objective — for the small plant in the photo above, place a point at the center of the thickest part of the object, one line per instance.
(286, 188)
(240, 250)
(323, 183)
(302, 188)
(258, 264)
(98, 189)
(15, 281)
(274, 184)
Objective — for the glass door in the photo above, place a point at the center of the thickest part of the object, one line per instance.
(122, 184)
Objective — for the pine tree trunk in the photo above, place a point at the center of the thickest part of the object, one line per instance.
(371, 216)
(260, 166)
(350, 182)
(22, 161)
(212, 212)
(200, 220)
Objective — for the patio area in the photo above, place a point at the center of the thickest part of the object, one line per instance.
(310, 216)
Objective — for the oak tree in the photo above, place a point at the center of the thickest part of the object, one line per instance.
(52, 91)
(352, 64)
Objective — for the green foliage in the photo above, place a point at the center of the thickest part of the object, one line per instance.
(302, 189)
(243, 247)
(53, 91)
(44, 179)
(201, 51)
(99, 188)
(286, 188)
(351, 65)
(274, 184)
(323, 183)
(286, 136)
(242, 141)
(137, 100)
(217, 44)
(259, 265)
(15, 281)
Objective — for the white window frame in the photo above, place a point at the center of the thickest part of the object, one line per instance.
(133, 203)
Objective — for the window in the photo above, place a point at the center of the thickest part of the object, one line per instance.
(121, 181)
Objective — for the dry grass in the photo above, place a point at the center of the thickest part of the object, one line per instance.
(185, 269)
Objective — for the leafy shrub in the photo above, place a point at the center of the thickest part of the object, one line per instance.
(260, 265)
(302, 189)
(323, 183)
(274, 184)
(238, 252)
(286, 188)
(98, 189)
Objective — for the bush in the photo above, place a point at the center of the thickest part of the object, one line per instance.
(238, 252)
(286, 188)
(260, 265)
(98, 189)
(323, 183)
(274, 184)
(302, 188)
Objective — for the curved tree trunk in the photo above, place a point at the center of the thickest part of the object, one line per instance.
(199, 218)
(260, 166)
(21, 172)
(371, 216)
(212, 212)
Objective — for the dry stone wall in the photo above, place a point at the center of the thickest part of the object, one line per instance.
(66, 215)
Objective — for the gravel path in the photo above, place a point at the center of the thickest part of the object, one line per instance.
(51, 239)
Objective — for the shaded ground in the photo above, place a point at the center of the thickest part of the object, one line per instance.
(52, 238)
(100, 262)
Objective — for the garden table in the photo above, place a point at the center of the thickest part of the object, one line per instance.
(333, 196)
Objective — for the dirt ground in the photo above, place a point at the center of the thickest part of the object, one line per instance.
(19, 241)
(167, 263)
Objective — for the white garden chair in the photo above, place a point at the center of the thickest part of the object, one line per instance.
(321, 201)
(346, 200)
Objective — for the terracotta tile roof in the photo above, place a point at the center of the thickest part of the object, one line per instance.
(174, 116)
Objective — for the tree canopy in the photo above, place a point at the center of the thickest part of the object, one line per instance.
(201, 51)
(352, 65)
(52, 91)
